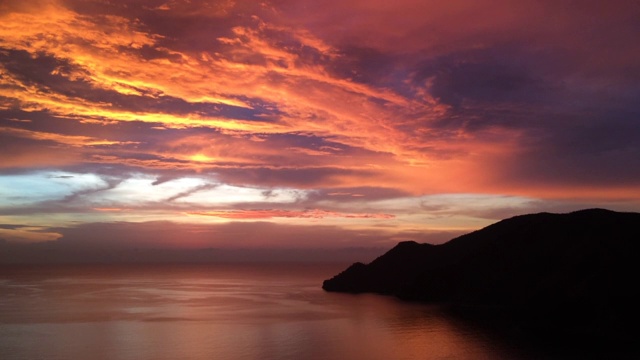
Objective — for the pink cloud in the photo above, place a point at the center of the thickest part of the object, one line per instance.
(274, 213)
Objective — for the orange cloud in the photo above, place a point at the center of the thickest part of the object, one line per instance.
(29, 234)
(109, 209)
(309, 98)
(276, 99)
(72, 140)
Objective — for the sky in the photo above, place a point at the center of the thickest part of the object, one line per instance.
(307, 127)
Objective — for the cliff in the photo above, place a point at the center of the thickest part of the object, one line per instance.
(577, 269)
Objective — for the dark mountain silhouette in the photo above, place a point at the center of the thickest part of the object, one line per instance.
(575, 273)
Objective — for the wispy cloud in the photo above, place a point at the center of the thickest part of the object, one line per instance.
(273, 213)
(72, 140)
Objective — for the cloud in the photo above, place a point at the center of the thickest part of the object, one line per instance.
(301, 111)
(229, 68)
(234, 241)
(229, 235)
(71, 140)
(27, 234)
(273, 213)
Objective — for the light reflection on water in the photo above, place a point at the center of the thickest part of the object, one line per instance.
(218, 312)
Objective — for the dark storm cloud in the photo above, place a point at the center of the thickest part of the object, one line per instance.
(44, 71)
(574, 126)
(186, 26)
(504, 74)
(597, 149)
(364, 65)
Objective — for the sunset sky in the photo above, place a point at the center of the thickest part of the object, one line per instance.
(300, 124)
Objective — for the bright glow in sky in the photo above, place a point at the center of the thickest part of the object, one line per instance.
(327, 124)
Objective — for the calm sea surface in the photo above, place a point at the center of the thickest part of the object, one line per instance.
(219, 312)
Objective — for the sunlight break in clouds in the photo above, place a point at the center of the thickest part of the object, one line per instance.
(404, 120)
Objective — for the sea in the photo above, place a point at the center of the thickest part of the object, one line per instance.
(224, 311)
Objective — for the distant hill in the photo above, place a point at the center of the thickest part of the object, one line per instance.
(575, 271)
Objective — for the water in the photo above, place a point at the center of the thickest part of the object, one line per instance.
(219, 312)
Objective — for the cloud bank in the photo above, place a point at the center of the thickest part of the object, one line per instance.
(412, 116)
